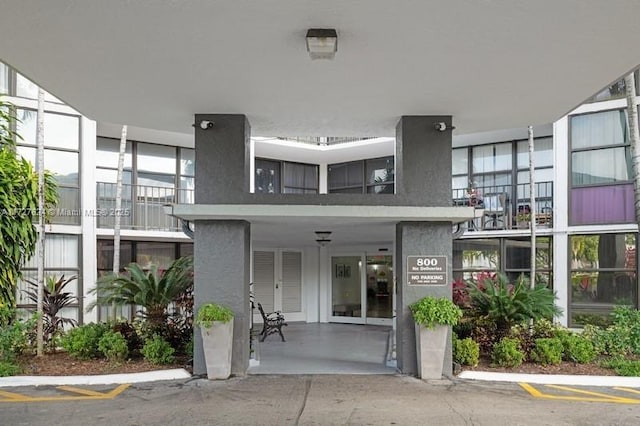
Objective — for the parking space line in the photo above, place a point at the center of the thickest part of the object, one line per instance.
(84, 395)
(590, 395)
(628, 390)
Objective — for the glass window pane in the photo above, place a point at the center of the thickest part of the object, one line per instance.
(601, 166)
(156, 179)
(27, 89)
(156, 158)
(599, 129)
(615, 91)
(543, 155)
(459, 182)
(518, 253)
(105, 254)
(489, 158)
(267, 180)
(187, 190)
(346, 174)
(60, 131)
(108, 150)
(60, 251)
(611, 251)
(68, 210)
(111, 176)
(380, 170)
(4, 78)
(161, 254)
(64, 165)
(187, 161)
(476, 254)
(186, 249)
(300, 176)
(460, 161)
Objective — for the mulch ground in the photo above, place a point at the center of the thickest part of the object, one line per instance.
(61, 364)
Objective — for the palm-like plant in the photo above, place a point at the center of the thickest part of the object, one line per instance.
(506, 304)
(153, 290)
(54, 300)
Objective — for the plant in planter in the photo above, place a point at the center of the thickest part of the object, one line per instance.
(523, 220)
(433, 317)
(216, 327)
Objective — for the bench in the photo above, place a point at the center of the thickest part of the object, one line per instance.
(272, 323)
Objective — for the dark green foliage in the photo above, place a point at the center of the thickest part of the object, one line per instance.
(128, 331)
(153, 290)
(210, 312)
(14, 334)
(9, 369)
(624, 367)
(18, 207)
(82, 342)
(466, 351)
(505, 304)
(113, 346)
(54, 299)
(158, 351)
(430, 311)
(627, 320)
(577, 348)
(507, 353)
(547, 351)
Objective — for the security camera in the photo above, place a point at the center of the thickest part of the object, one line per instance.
(205, 124)
(441, 126)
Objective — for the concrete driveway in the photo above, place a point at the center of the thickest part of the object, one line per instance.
(319, 400)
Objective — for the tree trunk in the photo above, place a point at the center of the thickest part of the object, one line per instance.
(41, 217)
(634, 138)
(117, 211)
(532, 194)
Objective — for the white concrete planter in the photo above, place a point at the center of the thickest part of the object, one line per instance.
(217, 342)
(431, 345)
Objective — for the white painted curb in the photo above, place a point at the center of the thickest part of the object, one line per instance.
(552, 379)
(107, 379)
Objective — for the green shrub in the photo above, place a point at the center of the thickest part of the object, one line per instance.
(577, 348)
(82, 342)
(210, 312)
(431, 311)
(508, 304)
(188, 348)
(547, 351)
(624, 367)
(507, 353)
(628, 320)
(612, 341)
(14, 335)
(130, 334)
(466, 352)
(158, 351)
(114, 346)
(8, 368)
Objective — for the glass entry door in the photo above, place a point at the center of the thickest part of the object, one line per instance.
(362, 289)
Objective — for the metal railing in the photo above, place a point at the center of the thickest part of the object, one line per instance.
(518, 202)
(142, 206)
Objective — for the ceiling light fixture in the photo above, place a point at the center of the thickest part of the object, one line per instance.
(322, 43)
(322, 238)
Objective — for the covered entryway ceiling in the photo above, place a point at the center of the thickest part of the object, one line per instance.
(491, 64)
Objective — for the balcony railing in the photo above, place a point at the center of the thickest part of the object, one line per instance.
(518, 205)
(142, 206)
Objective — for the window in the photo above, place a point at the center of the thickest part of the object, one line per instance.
(187, 176)
(511, 256)
(284, 177)
(61, 253)
(603, 275)
(371, 176)
(4, 78)
(601, 170)
(61, 157)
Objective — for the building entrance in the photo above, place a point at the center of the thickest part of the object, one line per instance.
(362, 289)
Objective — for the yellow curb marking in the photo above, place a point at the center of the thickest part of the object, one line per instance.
(85, 395)
(592, 396)
(628, 390)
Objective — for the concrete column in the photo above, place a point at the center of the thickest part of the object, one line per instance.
(416, 239)
(223, 153)
(222, 256)
(423, 175)
(423, 160)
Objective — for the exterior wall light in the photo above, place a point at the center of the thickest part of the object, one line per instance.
(322, 43)
(323, 238)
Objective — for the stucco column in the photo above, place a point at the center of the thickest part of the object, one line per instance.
(423, 175)
(222, 248)
(222, 267)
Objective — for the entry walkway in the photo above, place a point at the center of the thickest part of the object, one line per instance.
(325, 349)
